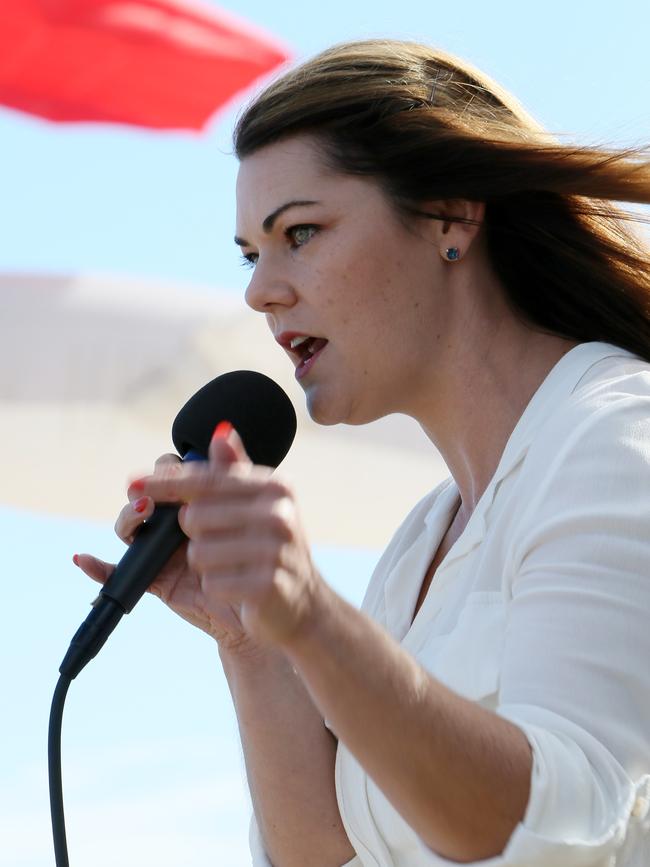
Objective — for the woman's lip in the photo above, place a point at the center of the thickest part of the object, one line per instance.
(304, 366)
(285, 338)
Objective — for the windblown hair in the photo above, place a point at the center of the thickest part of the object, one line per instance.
(430, 127)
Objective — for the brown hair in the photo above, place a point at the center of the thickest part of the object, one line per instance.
(428, 126)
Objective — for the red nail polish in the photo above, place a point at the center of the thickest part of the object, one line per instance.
(137, 485)
(75, 559)
(141, 504)
(222, 430)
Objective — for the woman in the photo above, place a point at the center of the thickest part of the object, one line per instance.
(420, 245)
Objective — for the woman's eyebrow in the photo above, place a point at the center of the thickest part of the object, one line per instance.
(268, 222)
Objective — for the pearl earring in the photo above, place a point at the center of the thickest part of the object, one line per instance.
(452, 254)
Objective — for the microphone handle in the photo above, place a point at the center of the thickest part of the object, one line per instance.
(89, 639)
(154, 544)
(156, 541)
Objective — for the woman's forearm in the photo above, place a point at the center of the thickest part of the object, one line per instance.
(290, 759)
(456, 772)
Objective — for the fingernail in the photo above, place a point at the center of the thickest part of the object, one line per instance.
(75, 559)
(141, 504)
(137, 485)
(222, 430)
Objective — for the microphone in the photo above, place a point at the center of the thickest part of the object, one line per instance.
(264, 418)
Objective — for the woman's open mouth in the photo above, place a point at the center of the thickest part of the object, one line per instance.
(308, 350)
(303, 347)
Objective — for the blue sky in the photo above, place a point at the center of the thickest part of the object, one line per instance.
(150, 741)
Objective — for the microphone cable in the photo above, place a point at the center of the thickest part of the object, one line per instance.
(54, 771)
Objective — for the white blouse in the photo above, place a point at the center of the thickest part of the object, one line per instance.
(540, 612)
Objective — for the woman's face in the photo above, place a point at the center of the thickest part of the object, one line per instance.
(332, 260)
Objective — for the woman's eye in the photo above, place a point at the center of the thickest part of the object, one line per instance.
(296, 235)
(249, 260)
(299, 235)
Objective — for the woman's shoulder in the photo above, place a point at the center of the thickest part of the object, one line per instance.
(590, 460)
(609, 407)
(614, 375)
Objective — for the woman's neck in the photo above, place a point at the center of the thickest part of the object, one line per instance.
(485, 395)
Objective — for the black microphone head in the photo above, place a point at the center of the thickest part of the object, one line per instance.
(255, 405)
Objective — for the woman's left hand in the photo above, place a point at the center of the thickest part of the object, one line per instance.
(246, 540)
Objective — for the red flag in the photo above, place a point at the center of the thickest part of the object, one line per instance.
(167, 64)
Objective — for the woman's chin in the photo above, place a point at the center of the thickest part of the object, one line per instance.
(322, 415)
(334, 409)
(324, 409)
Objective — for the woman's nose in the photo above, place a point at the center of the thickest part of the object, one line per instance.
(267, 290)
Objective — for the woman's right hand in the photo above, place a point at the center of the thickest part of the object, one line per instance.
(177, 584)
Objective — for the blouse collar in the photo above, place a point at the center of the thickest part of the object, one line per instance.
(558, 385)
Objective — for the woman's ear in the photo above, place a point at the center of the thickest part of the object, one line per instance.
(454, 236)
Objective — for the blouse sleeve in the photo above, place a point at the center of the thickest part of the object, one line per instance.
(256, 845)
(575, 673)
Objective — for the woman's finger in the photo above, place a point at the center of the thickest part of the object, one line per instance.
(201, 479)
(226, 446)
(95, 568)
(132, 516)
(254, 559)
(166, 460)
(236, 515)
(214, 518)
(169, 464)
